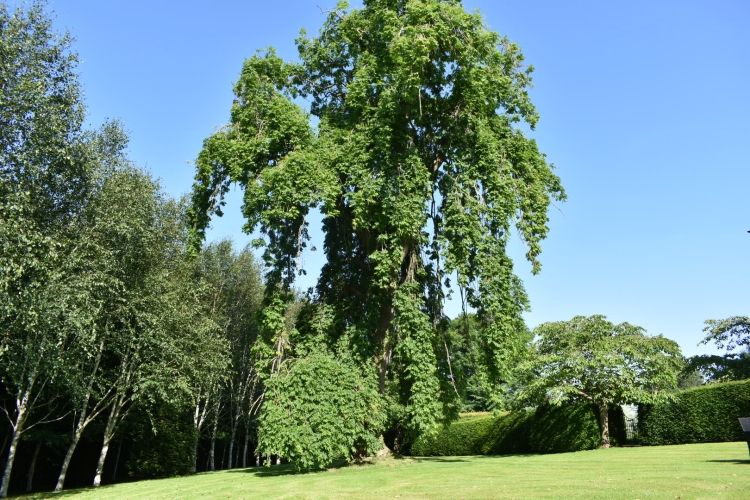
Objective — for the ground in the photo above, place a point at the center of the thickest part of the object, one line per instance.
(719, 470)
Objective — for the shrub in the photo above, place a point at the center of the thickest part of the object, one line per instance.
(548, 429)
(320, 410)
(706, 414)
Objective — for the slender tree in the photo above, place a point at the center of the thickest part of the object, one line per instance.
(233, 294)
(420, 171)
(44, 178)
(163, 340)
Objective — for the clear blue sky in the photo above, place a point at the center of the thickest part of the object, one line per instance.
(644, 108)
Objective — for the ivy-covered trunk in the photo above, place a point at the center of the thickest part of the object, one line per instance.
(604, 424)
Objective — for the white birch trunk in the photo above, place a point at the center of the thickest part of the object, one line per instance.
(68, 457)
(18, 428)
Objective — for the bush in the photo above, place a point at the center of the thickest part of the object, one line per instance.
(548, 429)
(321, 410)
(706, 414)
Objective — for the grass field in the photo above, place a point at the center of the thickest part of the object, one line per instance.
(719, 471)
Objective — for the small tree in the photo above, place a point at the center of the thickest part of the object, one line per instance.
(591, 359)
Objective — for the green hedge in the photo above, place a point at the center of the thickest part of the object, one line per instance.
(705, 414)
(551, 429)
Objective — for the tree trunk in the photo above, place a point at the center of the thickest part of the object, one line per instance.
(9, 463)
(195, 454)
(212, 453)
(83, 419)
(109, 431)
(17, 431)
(387, 313)
(32, 466)
(214, 433)
(231, 445)
(247, 440)
(67, 459)
(604, 424)
(100, 463)
(117, 461)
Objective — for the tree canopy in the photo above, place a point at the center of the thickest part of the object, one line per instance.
(416, 158)
(733, 335)
(594, 360)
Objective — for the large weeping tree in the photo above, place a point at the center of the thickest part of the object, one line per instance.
(418, 163)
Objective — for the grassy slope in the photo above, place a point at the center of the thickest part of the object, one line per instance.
(720, 470)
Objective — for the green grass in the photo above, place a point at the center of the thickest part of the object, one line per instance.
(717, 470)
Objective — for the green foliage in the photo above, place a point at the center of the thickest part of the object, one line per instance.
(733, 335)
(163, 441)
(593, 359)
(547, 429)
(41, 113)
(702, 415)
(319, 409)
(420, 170)
(465, 342)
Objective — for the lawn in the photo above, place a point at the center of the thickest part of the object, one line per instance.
(720, 470)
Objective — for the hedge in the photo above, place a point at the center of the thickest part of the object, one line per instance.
(549, 429)
(706, 414)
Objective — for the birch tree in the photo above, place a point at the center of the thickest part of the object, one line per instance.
(44, 178)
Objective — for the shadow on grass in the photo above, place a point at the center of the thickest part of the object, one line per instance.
(440, 459)
(731, 461)
(291, 470)
(61, 494)
(469, 458)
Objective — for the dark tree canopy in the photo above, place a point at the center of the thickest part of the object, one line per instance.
(420, 170)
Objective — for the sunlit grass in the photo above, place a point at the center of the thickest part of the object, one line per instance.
(719, 471)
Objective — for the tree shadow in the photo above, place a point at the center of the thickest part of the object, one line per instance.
(439, 459)
(731, 461)
(291, 470)
(61, 494)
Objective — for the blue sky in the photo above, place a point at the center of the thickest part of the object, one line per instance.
(644, 109)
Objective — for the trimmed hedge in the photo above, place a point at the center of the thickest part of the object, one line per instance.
(706, 414)
(548, 429)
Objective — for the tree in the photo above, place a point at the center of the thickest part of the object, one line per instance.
(161, 339)
(44, 178)
(233, 293)
(591, 359)
(420, 172)
(733, 335)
